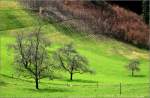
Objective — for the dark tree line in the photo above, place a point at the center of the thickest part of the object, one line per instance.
(146, 11)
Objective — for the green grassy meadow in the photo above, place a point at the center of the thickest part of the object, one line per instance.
(105, 55)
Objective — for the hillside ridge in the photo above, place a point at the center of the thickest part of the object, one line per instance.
(111, 20)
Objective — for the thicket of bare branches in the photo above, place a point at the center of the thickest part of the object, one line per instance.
(34, 4)
(104, 19)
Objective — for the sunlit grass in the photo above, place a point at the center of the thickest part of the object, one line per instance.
(105, 55)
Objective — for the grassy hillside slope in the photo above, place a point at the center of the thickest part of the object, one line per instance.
(106, 56)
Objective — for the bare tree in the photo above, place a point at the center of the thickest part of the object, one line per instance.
(32, 56)
(133, 66)
(71, 61)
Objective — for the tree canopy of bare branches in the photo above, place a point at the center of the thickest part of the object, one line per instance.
(31, 55)
(71, 61)
(133, 66)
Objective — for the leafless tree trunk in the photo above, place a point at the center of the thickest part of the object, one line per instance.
(32, 56)
(71, 61)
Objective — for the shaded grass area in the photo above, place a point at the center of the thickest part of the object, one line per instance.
(106, 56)
(26, 89)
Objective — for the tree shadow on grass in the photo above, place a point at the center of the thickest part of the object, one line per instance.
(2, 83)
(82, 81)
(50, 90)
(138, 76)
(17, 78)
